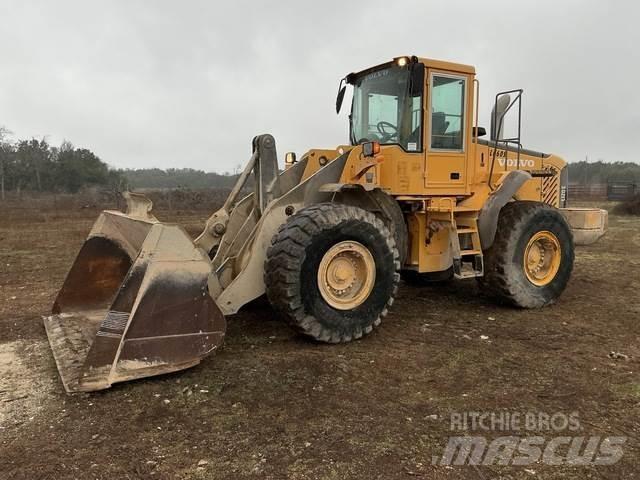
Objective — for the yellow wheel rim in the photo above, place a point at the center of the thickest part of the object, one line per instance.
(346, 275)
(542, 258)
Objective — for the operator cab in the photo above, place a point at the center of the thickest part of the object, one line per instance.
(387, 105)
(430, 129)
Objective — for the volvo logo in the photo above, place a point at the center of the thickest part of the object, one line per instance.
(513, 162)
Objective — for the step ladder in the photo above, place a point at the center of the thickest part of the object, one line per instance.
(467, 251)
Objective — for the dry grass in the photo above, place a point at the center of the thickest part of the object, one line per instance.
(630, 206)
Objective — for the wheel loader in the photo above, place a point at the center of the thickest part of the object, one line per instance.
(418, 192)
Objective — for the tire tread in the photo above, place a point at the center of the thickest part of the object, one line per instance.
(284, 261)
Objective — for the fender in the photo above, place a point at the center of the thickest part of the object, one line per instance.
(488, 217)
(377, 201)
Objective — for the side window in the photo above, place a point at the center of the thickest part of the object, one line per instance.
(447, 113)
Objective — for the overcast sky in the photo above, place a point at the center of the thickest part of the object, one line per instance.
(189, 83)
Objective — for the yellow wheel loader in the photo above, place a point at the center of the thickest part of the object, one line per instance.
(417, 192)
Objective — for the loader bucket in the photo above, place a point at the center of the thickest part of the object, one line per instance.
(134, 304)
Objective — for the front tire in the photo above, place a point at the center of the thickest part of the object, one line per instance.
(332, 270)
(531, 259)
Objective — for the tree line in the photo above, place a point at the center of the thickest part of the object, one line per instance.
(589, 173)
(35, 165)
(177, 178)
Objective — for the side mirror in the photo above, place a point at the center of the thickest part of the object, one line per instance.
(289, 159)
(479, 132)
(497, 116)
(342, 88)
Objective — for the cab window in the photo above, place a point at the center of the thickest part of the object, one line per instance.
(447, 112)
(387, 107)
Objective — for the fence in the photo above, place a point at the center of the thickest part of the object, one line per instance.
(613, 190)
(621, 190)
(594, 191)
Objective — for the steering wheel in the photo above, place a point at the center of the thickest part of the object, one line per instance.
(385, 135)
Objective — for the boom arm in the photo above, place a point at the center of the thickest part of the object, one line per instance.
(264, 163)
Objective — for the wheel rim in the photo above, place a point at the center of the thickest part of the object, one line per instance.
(346, 275)
(542, 258)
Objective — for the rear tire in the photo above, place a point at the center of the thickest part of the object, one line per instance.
(304, 246)
(531, 259)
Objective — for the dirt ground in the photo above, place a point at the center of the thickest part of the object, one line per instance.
(273, 405)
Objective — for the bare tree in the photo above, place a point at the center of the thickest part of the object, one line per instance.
(4, 133)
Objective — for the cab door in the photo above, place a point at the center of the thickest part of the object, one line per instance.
(446, 132)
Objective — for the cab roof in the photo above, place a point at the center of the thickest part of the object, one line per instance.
(444, 65)
(428, 62)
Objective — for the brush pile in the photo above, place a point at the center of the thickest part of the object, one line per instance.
(630, 206)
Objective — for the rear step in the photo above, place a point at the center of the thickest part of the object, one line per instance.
(468, 266)
(467, 262)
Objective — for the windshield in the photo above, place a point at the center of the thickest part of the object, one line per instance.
(387, 107)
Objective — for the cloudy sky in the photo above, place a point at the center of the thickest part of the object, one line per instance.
(189, 83)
